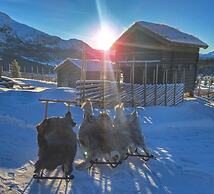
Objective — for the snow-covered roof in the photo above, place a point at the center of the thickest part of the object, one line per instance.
(171, 34)
(91, 64)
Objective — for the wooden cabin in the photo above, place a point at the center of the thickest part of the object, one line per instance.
(69, 71)
(158, 50)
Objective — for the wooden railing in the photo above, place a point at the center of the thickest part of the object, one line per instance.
(108, 93)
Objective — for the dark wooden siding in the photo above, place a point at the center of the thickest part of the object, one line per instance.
(138, 45)
(67, 76)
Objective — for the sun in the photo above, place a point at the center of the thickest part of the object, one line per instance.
(104, 38)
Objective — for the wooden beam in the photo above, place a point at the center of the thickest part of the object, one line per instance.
(54, 100)
(166, 82)
(145, 82)
(175, 84)
(156, 82)
(132, 83)
(139, 61)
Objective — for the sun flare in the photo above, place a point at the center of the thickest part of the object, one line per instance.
(104, 38)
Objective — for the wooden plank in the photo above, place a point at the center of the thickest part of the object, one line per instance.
(166, 82)
(184, 77)
(132, 84)
(55, 100)
(156, 81)
(175, 82)
(145, 82)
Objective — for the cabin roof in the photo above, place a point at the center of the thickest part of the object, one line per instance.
(91, 64)
(166, 33)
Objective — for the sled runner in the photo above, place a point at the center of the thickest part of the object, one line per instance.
(112, 164)
(42, 177)
(145, 157)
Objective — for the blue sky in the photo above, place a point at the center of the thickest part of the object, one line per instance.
(83, 18)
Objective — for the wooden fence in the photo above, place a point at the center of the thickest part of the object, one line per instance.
(108, 93)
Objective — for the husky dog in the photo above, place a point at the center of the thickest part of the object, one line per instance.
(57, 144)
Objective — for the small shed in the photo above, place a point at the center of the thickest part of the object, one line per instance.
(69, 71)
(149, 45)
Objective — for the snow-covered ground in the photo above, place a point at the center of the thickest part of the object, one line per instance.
(181, 137)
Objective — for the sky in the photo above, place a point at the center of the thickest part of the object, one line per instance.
(85, 19)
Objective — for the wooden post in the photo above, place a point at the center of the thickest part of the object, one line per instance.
(46, 109)
(81, 75)
(166, 82)
(153, 81)
(69, 107)
(84, 73)
(175, 84)
(208, 92)
(1, 71)
(156, 82)
(1, 67)
(81, 71)
(132, 83)
(184, 74)
(145, 82)
(103, 81)
(118, 81)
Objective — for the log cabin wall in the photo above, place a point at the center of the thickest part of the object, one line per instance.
(139, 46)
(68, 75)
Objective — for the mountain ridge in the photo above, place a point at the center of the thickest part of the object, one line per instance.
(31, 46)
(209, 55)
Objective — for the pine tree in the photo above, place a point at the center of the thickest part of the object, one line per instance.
(15, 68)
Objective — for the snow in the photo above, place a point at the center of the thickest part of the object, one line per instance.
(181, 137)
(172, 34)
(91, 64)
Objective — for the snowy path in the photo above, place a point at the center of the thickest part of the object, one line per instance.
(181, 137)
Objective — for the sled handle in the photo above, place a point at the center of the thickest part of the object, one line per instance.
(46, 101)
